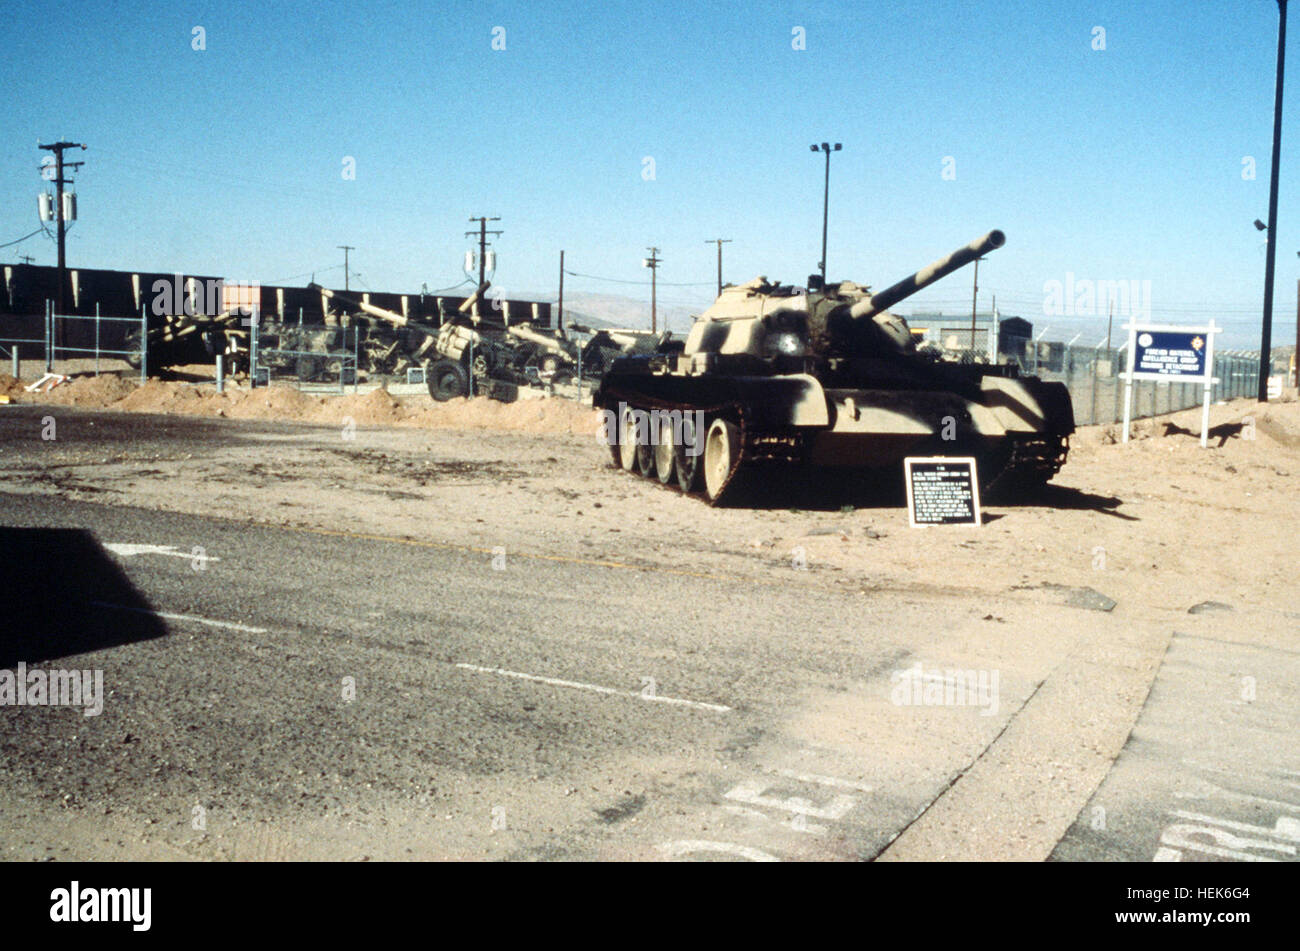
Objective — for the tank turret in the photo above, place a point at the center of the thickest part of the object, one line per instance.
(845, 319)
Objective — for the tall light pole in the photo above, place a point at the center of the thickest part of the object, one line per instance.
(974, 296)
(1265, 358)
(826, 198)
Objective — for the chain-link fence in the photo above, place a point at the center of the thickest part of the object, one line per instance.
(1093, 376)
(308, 356)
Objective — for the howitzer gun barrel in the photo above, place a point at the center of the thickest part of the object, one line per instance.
(389, 315)
(928, 275)
(553, 344)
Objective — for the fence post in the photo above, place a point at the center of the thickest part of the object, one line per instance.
(221, 373)
(144, 345)
(49, 337)
(1092, 412)
(1114, 416)
(17, 362)
(96, 338)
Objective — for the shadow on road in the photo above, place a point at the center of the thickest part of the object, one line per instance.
(49, 579)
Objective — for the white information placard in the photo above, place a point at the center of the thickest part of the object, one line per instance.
(942, 490)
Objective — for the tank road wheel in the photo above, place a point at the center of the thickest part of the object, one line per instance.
(645, 453)
(665, 456)
(627, 440)
(687, 457)
(721, 454)
(447, 379)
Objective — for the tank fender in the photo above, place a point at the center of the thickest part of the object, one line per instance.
(778, 401)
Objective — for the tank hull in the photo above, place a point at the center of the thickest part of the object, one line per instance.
(1017, 428)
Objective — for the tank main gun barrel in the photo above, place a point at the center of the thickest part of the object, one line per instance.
(927, 276)
(389, 315)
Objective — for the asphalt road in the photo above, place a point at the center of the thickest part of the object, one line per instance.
(1211, 772)
(308, 681)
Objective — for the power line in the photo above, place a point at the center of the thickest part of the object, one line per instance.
(24, 237)
(719, 242)
(653, 263)
(483, 232)
(294, 277)
(61, 166)
(345, 248)
(615, 280)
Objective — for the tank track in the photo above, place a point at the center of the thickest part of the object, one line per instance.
(732, 410)
(1030, 464)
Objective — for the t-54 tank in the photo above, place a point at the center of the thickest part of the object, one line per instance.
(826, 376)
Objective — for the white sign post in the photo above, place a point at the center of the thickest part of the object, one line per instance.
(1167, 352)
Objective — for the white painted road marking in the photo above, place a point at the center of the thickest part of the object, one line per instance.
(1285, 827)
(751, 791)
(128, 550)
(797, 823)
(822, 780)
(596, 688)
(228, 625)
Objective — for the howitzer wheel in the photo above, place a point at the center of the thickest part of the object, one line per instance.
(308, 369)
(447, 379)
(721, 456)
(665, 456)
(627, 439)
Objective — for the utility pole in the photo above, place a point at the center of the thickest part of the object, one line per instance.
(719, 242)
(60, 165)
(1266, 337)
(561, 317)
(482, 244)
(653, 263)
(346, 248)
(26, 258)
(826, 199)
(974, 296)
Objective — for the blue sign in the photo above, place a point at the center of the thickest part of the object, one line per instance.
(1168, 353)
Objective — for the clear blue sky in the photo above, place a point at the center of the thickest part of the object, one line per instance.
(1122, 164)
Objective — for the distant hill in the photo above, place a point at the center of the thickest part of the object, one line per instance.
(615, 310)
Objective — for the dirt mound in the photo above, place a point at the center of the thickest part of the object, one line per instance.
(87, 392)
(1232, 426)
(376, 408)
(1281, 423)
(534, 416)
